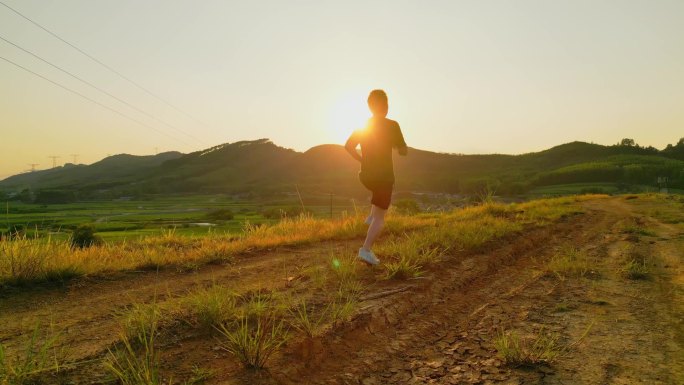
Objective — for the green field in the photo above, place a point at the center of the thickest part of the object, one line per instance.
(123, 219)
(593, 188)
(185, 215)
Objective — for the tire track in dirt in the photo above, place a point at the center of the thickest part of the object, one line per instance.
(443, 331)
(436, 333)
(85, 311)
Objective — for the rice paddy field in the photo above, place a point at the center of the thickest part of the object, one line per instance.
(125, 218)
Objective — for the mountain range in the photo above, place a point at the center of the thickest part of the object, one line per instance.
(262, 167)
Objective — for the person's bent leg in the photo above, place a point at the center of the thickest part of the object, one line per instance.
(369, 218)
(378, 220)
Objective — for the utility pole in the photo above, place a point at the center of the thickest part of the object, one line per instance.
(156, 150)
(662, 184)
(75, 158)
(33, 166)
(54, 160)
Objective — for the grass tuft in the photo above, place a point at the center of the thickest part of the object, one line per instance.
(131, 367)
(199, 376)
(638, 230)
(305, 320)
(542, 348)
(403, 269)
(253, 342)
(212, 306)
(569, 262)
(141, 319)
(636, 269)
(38, 356)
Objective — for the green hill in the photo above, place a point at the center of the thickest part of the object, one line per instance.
(261, 167)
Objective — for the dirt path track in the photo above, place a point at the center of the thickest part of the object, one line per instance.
(443, 332)
(86, 312)
(441, 329)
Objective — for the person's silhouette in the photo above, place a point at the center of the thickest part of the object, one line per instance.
(377, 140)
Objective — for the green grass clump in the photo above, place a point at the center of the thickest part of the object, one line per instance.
(562, 308)
(38, 356)
(543, 348)
(307, 321)
(569, 262)
(131, 366)
(344, 267)
(212, 306)
(259, 304)
(638, 230)
(636, 269)
(254, 341)
(342, 309)
(403, 269)
(199, 376)
(141, 319)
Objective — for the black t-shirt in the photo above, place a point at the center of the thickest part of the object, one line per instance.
(377, 140)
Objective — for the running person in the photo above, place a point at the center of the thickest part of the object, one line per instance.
(377, 140)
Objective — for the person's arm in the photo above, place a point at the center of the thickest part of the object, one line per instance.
(399, 142)
(351, 145)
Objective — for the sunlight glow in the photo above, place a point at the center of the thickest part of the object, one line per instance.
(348, 113)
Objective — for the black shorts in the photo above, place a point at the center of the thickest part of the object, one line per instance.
(382, 192)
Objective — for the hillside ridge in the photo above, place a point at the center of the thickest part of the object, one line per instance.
(262, 166)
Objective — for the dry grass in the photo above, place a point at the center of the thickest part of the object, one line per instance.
(26, 260)
(569, 262)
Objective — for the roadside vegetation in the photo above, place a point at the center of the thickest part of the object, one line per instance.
(25, 260)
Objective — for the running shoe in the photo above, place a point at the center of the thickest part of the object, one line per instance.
(368, 257)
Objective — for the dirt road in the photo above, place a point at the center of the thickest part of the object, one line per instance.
(440, 329)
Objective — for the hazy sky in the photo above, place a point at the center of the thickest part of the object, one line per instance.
(462, 76)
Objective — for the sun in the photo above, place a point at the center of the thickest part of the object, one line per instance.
(348, 113)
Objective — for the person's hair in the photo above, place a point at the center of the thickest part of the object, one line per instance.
(377, 98)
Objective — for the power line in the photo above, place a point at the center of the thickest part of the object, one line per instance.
(91, 100)
(103, 64)
(98, 88)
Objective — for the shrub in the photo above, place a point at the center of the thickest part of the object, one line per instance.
(84, 236)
